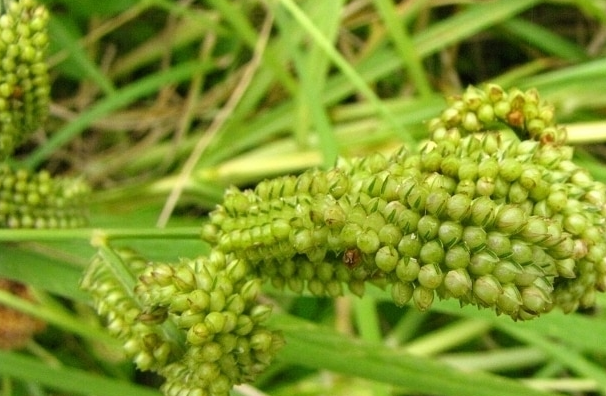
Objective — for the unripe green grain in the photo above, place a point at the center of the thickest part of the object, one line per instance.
(458, 207)
(457, 282)
(562, 250)
(368, 241)
(506, 271)
(466, 187)
(510, 169)
(510, 300)
(407, 269)
(450, 166)
(485, 186)
(409, 246)
(430, 276)
(390, 234)
(510, 219)
(428, 227)
(482, 263)
(457, 256)
(530, 273)
(432, 252)
(483, 212)
(557, 200)
(401, 293)
(474, 238)
(487, 290)
(450, 233)
(423, 297)
(575, 223)
(521, 252)
(417, 197)
(387, 258)
(535, 300)
(436, 202)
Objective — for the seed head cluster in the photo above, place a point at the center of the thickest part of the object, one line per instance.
(196, 322)
(37, 200)
(24, 83)
(491, 211)
(494, 218)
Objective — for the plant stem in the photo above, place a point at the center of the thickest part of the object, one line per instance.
(28, 235)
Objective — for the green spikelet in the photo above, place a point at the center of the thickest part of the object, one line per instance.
(196, 322)
(24, 83)
(213, 301)
(499, 220)
(479, 108)
(144, 340)
(37, 200)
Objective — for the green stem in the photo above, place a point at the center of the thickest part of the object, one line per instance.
(95, 234)
(367, 319)
(369, 327)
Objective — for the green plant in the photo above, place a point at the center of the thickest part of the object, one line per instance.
(203, 322)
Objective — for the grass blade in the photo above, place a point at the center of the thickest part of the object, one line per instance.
(306, 342)
(67, 379)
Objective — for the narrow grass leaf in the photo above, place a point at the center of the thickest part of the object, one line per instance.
(346, 68)
(544, 39)
(115, 101)
(467, 23)
(67, 379)
(86, 68)
(306, 341)
(404, 45)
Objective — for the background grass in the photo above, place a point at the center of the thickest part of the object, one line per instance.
(162, 104)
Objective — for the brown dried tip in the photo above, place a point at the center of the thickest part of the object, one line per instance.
(17, 328)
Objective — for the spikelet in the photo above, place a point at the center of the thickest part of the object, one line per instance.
(37, 200)
(24, 82)
(195, 322)
(144, 340)
(495, 219)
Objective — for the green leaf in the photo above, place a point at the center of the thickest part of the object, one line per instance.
(66, 379)
(307, 342)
